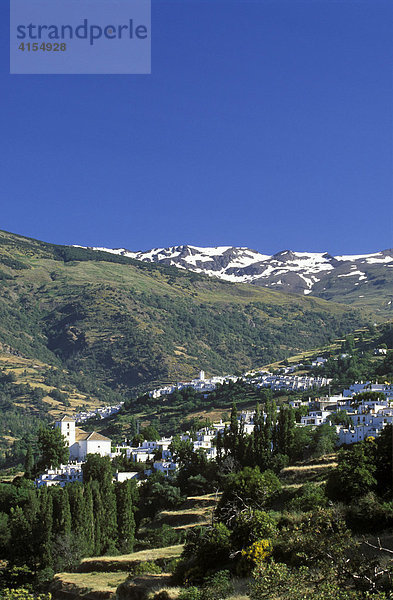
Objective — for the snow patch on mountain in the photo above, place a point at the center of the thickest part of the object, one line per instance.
(287, 270)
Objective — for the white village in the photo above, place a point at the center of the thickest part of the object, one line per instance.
(367, 418)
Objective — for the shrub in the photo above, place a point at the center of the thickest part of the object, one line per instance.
(368, 514)
(204, 548)
(320, 537)
(258, 552)
(158, 538)
(275, 580)
(252, 526)
(147, 566)
(247, 489)
(190, 593)
(217, 586)
(309, 497)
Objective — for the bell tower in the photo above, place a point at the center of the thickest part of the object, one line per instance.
(67, 428)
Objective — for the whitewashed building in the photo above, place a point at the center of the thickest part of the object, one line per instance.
(61, 476)
(82, 443)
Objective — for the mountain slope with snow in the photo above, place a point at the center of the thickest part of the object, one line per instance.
(343, 278)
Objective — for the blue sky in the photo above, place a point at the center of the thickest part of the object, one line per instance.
(265, 124)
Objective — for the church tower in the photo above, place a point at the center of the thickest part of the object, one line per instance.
(67, 428)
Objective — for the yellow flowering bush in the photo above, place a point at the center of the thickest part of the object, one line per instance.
(254, 556)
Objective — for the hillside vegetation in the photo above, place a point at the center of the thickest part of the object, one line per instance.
(130, 324)
(144, 574)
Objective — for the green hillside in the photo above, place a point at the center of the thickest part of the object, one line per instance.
(131, 325)
(376, 292)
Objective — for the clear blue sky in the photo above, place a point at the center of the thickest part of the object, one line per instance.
(265, 124)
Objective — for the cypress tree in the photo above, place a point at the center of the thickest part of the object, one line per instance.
(62, 512)
(241, 446)
(109, 522)
(20, 551)
(285, 430)
(233, 434)
(77, 508)
(29, 463)
(125, 518)
(219, 446)
(269, 430)
(98, 513)
(45, 528)
(258, 446)
(88, 520)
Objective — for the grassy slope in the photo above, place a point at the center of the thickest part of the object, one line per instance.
(376, 292)
(31, 372)
(100, 577)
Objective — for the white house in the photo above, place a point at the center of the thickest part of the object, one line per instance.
(60, 476)
(165, 466)
(82, 443)
(356, 434)
(316, 417)
(125, 476)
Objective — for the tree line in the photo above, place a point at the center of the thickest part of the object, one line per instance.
(47, 530)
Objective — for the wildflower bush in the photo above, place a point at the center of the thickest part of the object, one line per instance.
(258, 552)
(254, 556)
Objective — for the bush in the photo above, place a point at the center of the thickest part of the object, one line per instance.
(254, 556)
(314, 539)
(217, 586)
(247, 489)
(147, 566)
(22, 594)
(204, 548)
(275, 580)
(190, 593)
(309, 497)
(354, 475)
(368, 514)
(252, 526)
(158, 538)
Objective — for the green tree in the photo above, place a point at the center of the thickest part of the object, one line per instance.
(53, 447)
(88, 519)
(251, 526)
(45, 527)
(20, 552)
(285, 430)
(245, 490)
(97, 468)
(324, 440)
(157, 493)
(182, 450)
(383, 461)
(354, 475)
(98, 512)
(206, 547)
(150, 433)
(29, 462)
(61, 512)
(125, 517)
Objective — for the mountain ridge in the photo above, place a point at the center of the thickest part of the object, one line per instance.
(316, 273)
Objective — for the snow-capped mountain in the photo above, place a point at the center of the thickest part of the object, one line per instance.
(298, 272)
